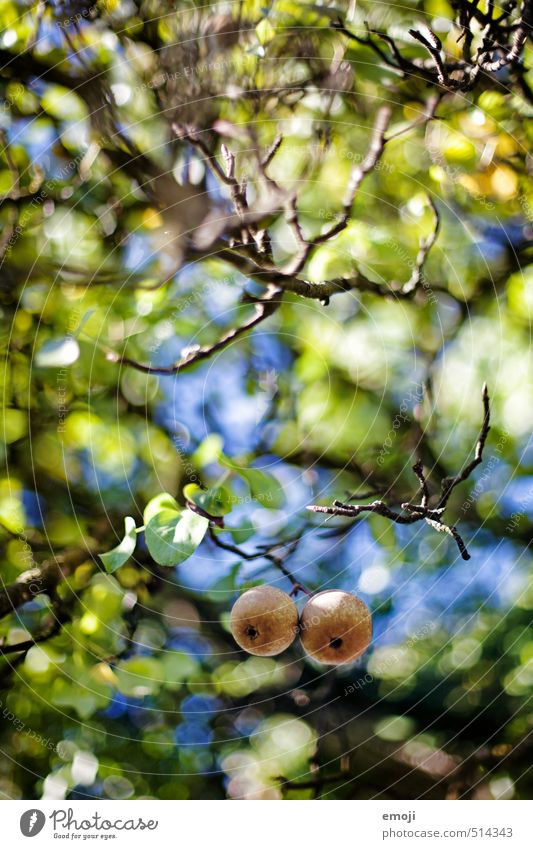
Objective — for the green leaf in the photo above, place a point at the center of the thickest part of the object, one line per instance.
(15, 425)
(160, 502)
(177, 667)
(226, 586)
(265, 488)
(57, 353)
(116, 558)
(208, 451)
(84, 699)
(216, 502)
(140, 676)
(83, 320)
(265, 31)
(242, 532)
(382, 530)
(173, 536)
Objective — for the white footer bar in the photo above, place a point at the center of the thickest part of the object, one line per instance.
(267, 825)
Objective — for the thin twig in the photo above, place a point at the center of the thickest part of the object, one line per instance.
(417, 512)
(60, 614)
(375, 150)
(424, 248)
(451, 74)
(522, 32)
(267, 553)
(264, 308)
(190, 134)
(418, 469)
(449, 484)
(40, 580)
(271, 152)
(433, 45)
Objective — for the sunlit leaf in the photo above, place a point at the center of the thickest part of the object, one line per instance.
(115, 558)
(264, 487)
(173, 536)
(58, 353)
(160, 502)
(216, 502)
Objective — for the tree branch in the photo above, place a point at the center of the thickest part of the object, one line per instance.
(449, 484)
(523, 30)
(267, 553)
(264, 308)
(423, 511)
(434, 47)
(375, 150)
(60, 616)
(425, 246)
(41, 580)
(451, 74)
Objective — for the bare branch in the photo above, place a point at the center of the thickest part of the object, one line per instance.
(271, 152)
(425, 246)
(60, 616)
(375, 150)
(522, 32)
(314, 783)
(418, 469)
(190, 134)
(423, 511)
(450, 73)
(41, 580)
(449, 484)
(268, 553)
(305, 246)
(484, 760)
(340, 508)
(428, 114)
(264, 308)
(295, 265)
(434, 47)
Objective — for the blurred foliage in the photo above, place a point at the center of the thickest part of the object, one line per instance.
(138, 689)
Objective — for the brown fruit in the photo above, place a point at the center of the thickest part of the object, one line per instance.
(335, 627)
(264, 621)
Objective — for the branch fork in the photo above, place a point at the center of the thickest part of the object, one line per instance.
(423, 510)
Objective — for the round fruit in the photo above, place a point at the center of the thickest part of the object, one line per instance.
(335, 627)
(264, 621)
